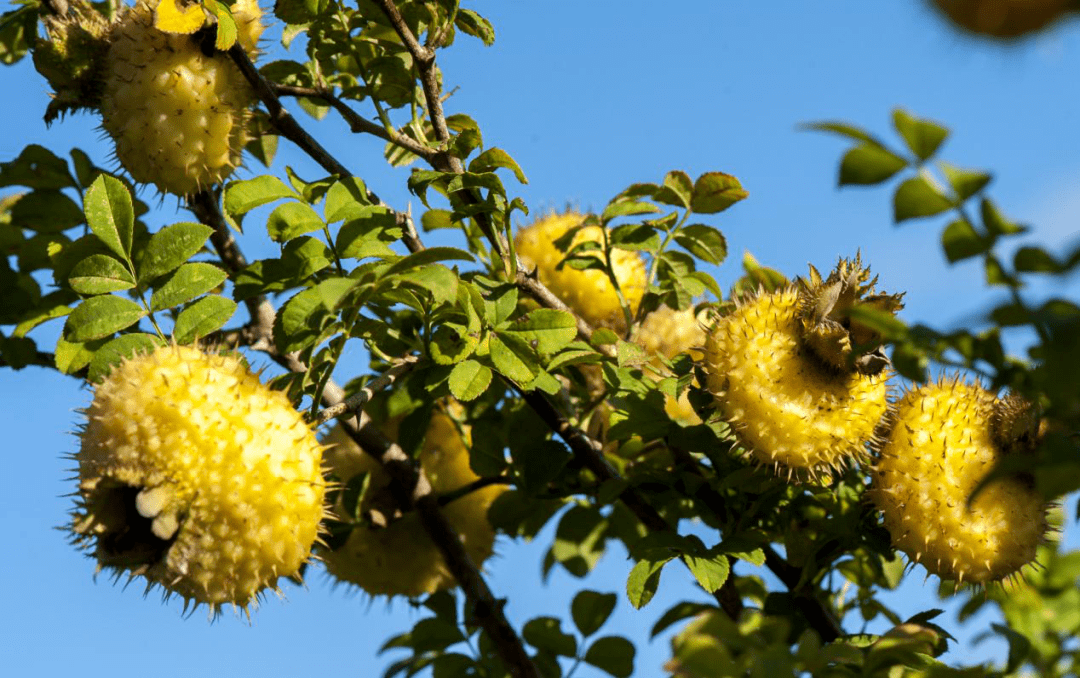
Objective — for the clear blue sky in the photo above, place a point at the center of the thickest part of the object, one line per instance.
(588, 97)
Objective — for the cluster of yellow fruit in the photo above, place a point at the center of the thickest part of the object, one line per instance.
(792, 376)
(176, 107)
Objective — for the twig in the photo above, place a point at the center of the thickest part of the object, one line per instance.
(478, 484)
(356, 402)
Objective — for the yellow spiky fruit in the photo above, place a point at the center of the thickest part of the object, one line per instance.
(176, 108)
(786, 406)
(944, 439)
(669, 333)
(588, 292)
(1004, 18)
(391, 554)
(198, 477)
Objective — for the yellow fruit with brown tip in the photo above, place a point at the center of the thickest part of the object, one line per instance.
(389, 553)
(177, 108)
(1004, 18)
(589, 292)
(198, 477)
(944, 440)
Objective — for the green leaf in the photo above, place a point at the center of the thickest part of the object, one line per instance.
(868, 164)
(428, 256)
(244, 196)
(368, 233)
(961, 241)
(201, 318)
(845, 130)
(99, 317)
(110, 215)
(704, 242)
(613, 654)
(226, 25)
(100, 274)
(994, 222)
(471, 23)
(435, 219)
(494, 158)
(170, 247)
(544, 633)
(965, 183)
(46, 211)
(545, 329)
(332, 290)
(469, 379)
(710, 572)
(124, 346)
(591, 609)
(681, 187)
(346, 199)
(715, 192)
(186, 283)
(635, 237)
(917, 198)
(644, 579)
(511, 359)
(677, 613)
(1035, 260)
(626, 208)
(36, 166)
(1019, 646)
(922, 136)
(292, 219)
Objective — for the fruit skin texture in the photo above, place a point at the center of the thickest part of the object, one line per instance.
(785, 406)
(1004, 18)
(669, 333)
(588, 292)
(178, 116)
(940, 447)
(197, 476)
(393, 555)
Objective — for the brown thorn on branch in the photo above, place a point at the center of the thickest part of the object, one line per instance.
(590, 453)
(356, 402)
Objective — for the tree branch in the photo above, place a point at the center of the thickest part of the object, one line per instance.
(354, 403)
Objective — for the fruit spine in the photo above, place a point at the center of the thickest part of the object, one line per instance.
(176, 108)
(198, 477)
(784, 377)
(588, 292)
(388, 552)
(943, 441)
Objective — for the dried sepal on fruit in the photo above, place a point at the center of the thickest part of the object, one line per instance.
(198, 477)
(588, 292)
(387, 552)
(175, 106)
(944, 439)
(789, 406)
(71, 56)
(1004, 18)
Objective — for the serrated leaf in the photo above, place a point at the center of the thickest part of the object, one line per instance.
(428, 256)
(635, 237)
(867, 164)
(544, 633)
(244, 196)
(494, 158)
(469, 379)
(922, 136)
(100, 274)
(917, 198)
(613, 654)
(226, 25)
(110, 215)
(204, 316)
(124, 346)
(170, 247)
(681, 186)
(704, 242)
(346, 199)
(471, 23)
(186, 283)
(626, 208)
(643, 581)
(291, 220)
(961, 241)
(511, 359)
(99, 317)
(965, 183)
(591, 609)
(715, 192)
(171, 17)
(710, 572)
(545, 329)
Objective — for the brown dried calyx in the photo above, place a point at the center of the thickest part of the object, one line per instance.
(828, 329)
(71, 57)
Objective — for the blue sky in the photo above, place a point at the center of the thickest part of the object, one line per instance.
(588, 97)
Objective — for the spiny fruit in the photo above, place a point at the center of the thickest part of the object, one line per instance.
(669, 333)
(588, 292)
(176, 108)
(1004, 18)
(774, 367)
(198, 477)
(71, 57)
(944, 439)
(388, 552)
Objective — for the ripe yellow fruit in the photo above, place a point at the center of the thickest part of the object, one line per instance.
(178, 113)
(392, 555)
(668, 332)
(786, 405)
(1004, 18)
(945, 438)
(198, 477)
(588, 292)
